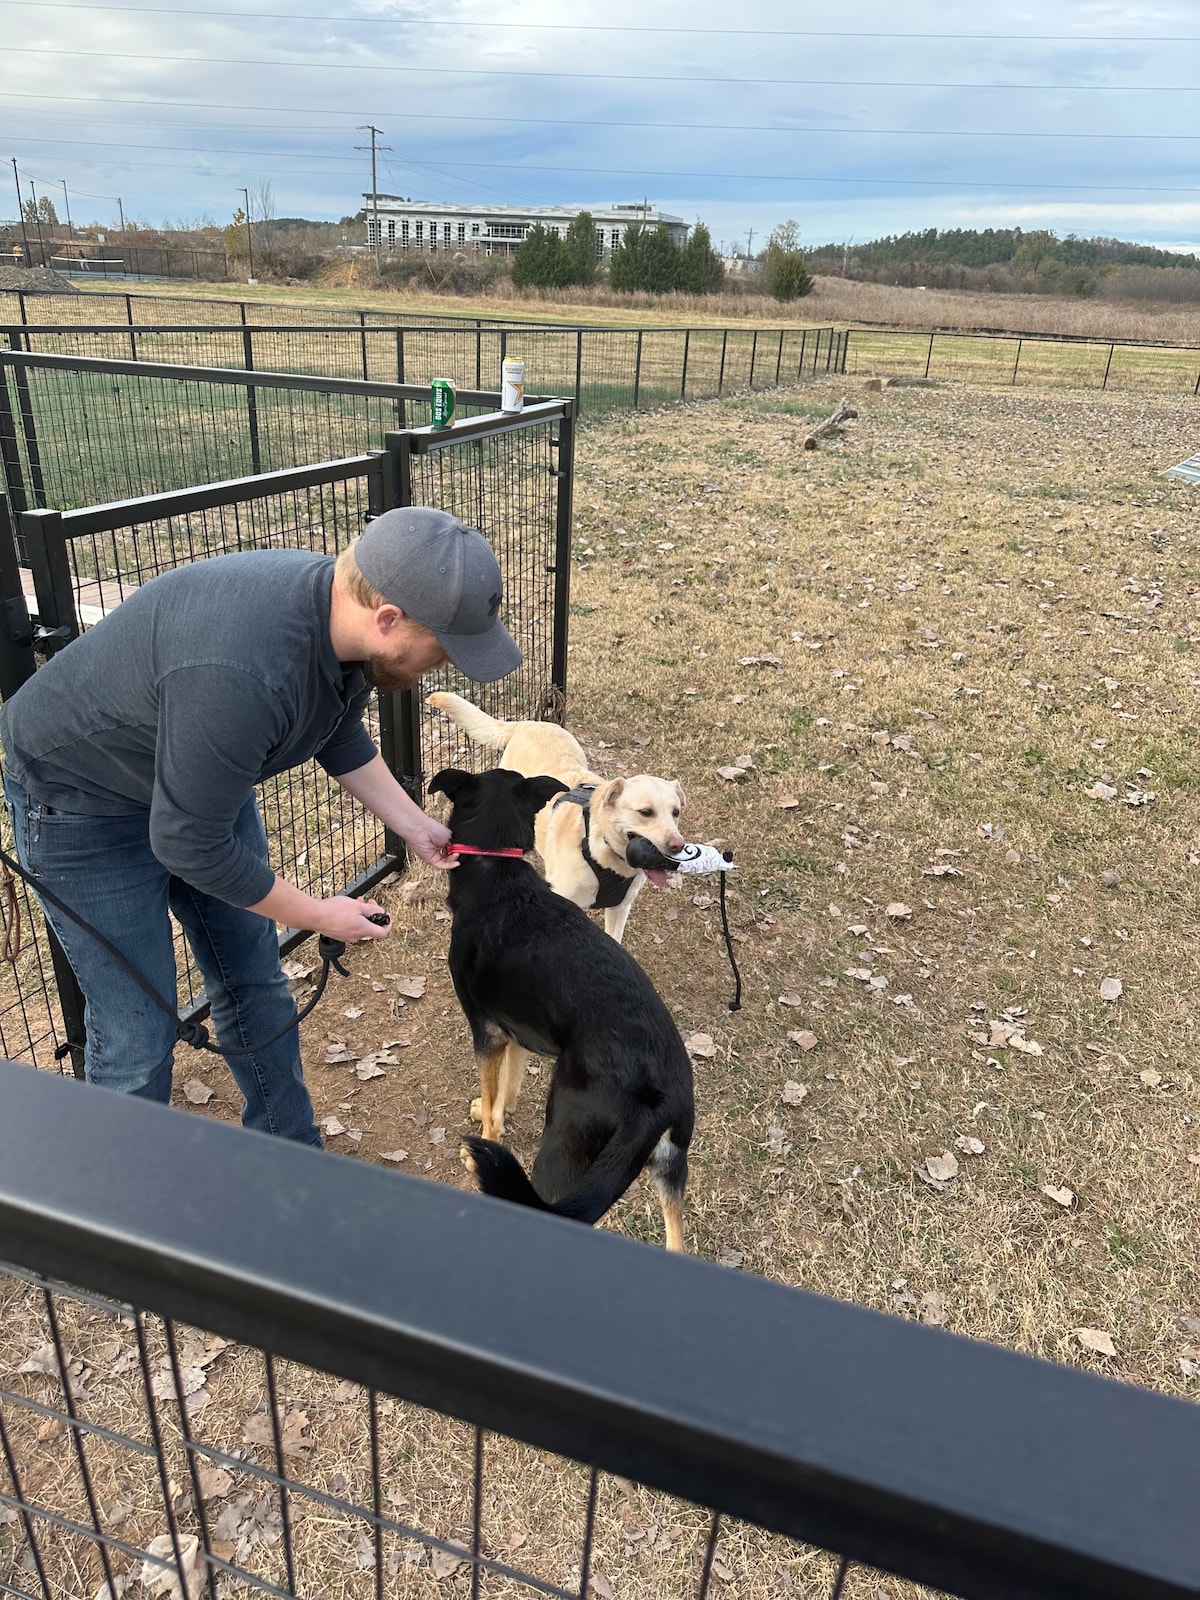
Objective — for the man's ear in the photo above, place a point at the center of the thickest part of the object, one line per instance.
(449, 781)
(542, 789)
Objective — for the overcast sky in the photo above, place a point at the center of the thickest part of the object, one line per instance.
(1077, 117)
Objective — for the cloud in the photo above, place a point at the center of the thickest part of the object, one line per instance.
(741, 121)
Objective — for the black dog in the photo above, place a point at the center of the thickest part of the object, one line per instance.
(534, 975)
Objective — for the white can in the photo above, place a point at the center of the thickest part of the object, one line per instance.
(512, 384)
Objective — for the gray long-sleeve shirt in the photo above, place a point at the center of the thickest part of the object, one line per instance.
(200, 684)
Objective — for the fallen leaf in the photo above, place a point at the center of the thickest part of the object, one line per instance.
(1111, 989)
(943, 1167)
(437, 1135)
(331, 1127)
(197, 1092)
(338, 1052)
(42, 1360)
(353, 1012)
(700, 1044)
(445, 1563)
(730, 1258)
(790, 1000)
(969, 1145)
(803, 1038)
(898, 911)
(394, 1155)
(599, 1584)
(411, 988)
(215, 1482)
(731, 774)
(933, 1309)
(367, 1069)
(787, 802)
(793, 1092)
(1150, 1078)
(1101, 791)
(1063, 1197)
(1096, 1340)
(165, 1580)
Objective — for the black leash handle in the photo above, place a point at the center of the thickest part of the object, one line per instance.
(195, 1033)
(736, 1003)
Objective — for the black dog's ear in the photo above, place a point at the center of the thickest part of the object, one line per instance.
(542, 789)
(449, 781)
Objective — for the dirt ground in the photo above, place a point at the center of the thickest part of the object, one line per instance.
(935, 684)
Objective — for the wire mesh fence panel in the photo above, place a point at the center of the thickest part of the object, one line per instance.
(173, 1449)
(506, 487)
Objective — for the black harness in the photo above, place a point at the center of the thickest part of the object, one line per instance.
(612, 887)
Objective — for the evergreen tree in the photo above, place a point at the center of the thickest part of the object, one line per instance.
(785, 274)
(646, 258)
(582, 247)
(541, 260)
(701, 270)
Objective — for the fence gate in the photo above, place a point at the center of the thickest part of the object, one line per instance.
(62, 571)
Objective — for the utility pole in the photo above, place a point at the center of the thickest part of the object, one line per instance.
(67, 207)
(37, 222)
(370, 128)
(249, 234)
(21, 213)
(121, 213)
(749, 242)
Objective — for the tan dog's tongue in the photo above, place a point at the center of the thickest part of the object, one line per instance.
(657, 877)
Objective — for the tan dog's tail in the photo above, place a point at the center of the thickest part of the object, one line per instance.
(476, 724)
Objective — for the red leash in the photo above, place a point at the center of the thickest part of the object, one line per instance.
(472, 850)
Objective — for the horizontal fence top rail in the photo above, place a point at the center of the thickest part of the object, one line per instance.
(533, 329)
(1016, 333)
(423, 440)
(240, 307)
(242, 379)
(956, 1463)
(87, 520)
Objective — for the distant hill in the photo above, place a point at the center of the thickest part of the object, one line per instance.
(1016, 261)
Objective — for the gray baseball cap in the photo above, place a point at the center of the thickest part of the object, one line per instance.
(445, 576)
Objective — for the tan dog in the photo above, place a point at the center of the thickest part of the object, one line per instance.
(583, 848)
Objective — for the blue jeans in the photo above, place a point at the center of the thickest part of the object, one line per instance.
(105, 870)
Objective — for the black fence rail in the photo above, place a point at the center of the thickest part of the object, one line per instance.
(1034, 359)
(243, 1364)
(605, 369)
(63, 570)
(116, 258)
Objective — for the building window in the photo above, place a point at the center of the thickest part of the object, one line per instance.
(420, 233)
(391, 234)
(445, 232)
(462, 233)
(614, 238)
(509, 230)
(474, 230)
(404, 235)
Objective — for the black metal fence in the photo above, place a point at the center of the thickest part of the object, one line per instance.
(63, 569)
(1030, 358)
(605, 369)
(117, 258)
(235, 1362)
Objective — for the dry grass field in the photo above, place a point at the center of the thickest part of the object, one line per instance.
(954, 657)
(843, 302)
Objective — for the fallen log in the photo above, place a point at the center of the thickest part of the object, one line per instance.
(831, 426)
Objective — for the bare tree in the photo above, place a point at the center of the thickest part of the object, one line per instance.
(262, 201)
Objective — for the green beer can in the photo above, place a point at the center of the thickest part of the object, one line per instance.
(441, 402)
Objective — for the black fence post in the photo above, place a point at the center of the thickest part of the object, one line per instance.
(687, 339)
(405, 733)
(829, 352)
(362, 334)
(753, 357)
(478, 354)
(564, 476)
(721, 373)
(46, 552)
(1107, 365)
(803, 347)
(401, 406)
(383, 493)
(251, 400)
(637, 371)
(578, 366)
(17, 663)
(779, 359)
(1017, 361)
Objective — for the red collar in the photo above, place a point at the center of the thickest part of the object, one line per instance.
(472, 850)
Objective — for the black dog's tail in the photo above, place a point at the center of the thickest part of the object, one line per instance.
(501, 1175)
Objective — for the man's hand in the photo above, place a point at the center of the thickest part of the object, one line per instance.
(428, 839)
(348, 920)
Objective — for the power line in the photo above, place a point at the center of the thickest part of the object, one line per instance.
(318, 64)
(586, 27)
(570, 122)
(184, 149)
(749, 177)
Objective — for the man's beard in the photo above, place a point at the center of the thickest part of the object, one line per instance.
(389, 676)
